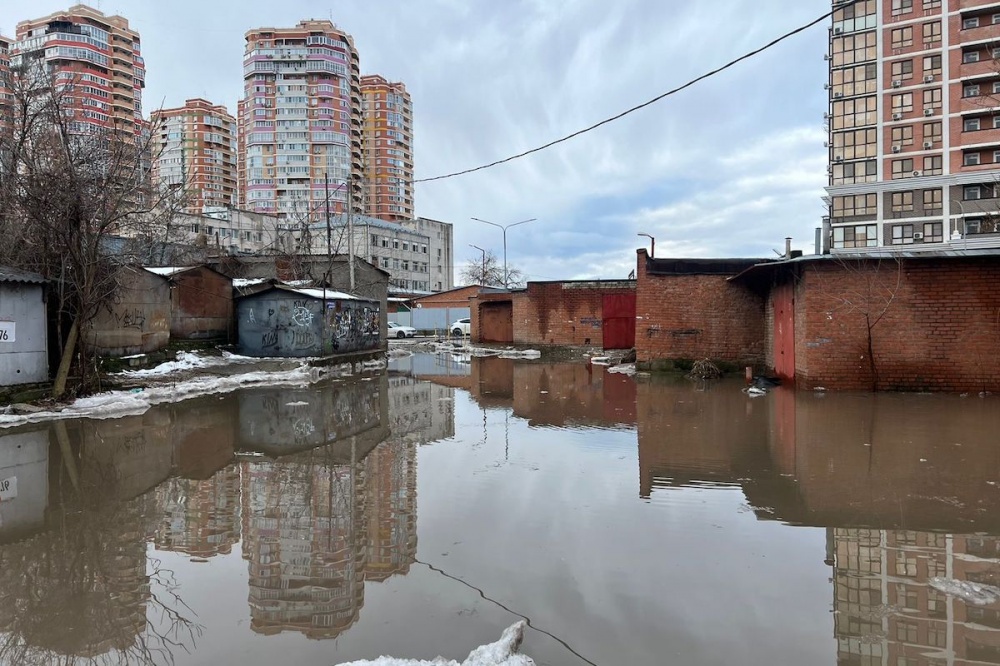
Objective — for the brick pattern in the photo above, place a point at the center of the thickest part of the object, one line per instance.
(694, 317)
(940, 331)
(564, 313)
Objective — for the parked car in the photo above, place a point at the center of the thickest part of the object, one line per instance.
(461, 327)
(398, 331)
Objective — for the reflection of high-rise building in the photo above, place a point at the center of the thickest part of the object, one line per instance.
(200, 517)
(887, 612)
(391, 509)
(304, 540)
(420, 411)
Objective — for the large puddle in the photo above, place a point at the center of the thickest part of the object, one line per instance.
(419, 512)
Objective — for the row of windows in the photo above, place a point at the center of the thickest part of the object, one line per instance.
(865, 235)
(903, 37)
(408, 246)
(902, 70)
(866, 204)
(932, 165)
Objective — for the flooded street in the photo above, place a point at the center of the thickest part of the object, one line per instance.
(420, 511)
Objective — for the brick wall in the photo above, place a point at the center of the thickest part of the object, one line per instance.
(940, 330)
(564, 313)
(694, 315)
(456, 298)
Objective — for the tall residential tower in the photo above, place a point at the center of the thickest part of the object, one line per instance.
(388, 149)
(95, 60)
(300, 122)
(194, 149)
(914, 124)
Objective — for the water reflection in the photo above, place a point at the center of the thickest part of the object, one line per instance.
(311, 496)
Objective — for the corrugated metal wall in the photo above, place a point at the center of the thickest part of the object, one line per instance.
(23, 360)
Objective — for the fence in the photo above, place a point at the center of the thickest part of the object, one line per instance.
(430, 319)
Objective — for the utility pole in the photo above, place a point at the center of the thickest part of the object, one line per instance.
(504, 228)
(329, 245)
(482, 275)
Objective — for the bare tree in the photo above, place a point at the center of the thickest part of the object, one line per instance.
(868, 294)
(488, 272)
(68, 190)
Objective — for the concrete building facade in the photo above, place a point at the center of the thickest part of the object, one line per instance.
(194, 151)
(300, 122)
(388, 148)
(914, 139)
(97, 64)
(440, 249)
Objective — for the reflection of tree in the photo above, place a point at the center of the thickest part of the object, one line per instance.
(84, 589)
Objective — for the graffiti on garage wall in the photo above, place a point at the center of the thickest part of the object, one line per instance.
(352, 327)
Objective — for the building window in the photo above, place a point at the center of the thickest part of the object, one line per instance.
(902, 234)
(902, 168)
(932, 65)
(852, 205)
(933, 232)
(858, 236)
(902, 70)
(970, 125)
(932, 200)
(932, 132)
(972, 193)
(902, 136)
(932, 99)
(970, 159)
(901, 7)
(932, 32)
(969, 57)
(931, 4)
(902, 103)
(902, 37)
(374, 240)
(933, 165)
(970, 91)
(970, 22)
(902, 202)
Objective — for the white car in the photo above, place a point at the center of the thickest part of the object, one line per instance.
(397, 331)
(461, 327)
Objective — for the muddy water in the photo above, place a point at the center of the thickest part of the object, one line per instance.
(421, 511)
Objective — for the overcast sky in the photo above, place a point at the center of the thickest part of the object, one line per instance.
(726, 168)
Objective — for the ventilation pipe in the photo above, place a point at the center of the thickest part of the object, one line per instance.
(788, 248)
(826, 234)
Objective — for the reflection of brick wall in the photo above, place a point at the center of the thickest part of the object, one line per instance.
(560, 394)
(695, 312)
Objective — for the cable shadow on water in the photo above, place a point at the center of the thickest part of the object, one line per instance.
(506, 608)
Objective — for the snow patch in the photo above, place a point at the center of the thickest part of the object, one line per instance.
(114, 404)
(978, 594)
(501, 653)
(623, 369)
(187, 361)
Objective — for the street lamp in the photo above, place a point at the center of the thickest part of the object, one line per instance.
(482, 276)
(504, 228)
(652, 244)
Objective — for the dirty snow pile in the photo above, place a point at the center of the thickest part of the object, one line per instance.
(501, 653)
(509, 352)
(623, 369)
(978, 594)
(188, 361)
(114, 404)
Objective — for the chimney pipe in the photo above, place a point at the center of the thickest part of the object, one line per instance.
(788, 248)
(818, 241)
(827, 232)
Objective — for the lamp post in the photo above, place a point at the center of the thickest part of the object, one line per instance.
(504, 228)
(652, 244)
(482, 275)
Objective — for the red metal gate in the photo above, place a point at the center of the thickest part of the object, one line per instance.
(618, 320)
(784, 331)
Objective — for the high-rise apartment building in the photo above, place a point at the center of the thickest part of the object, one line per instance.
(914, 129)
(388, 149)
(194, 150)
(95, 62)
(6, 94)
(300, 122)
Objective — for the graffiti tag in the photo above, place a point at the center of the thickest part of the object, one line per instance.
(130, 318)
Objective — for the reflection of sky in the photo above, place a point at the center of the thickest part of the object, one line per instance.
(424, 365)
(554, 528)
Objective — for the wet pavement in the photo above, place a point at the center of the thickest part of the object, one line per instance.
(420, 511)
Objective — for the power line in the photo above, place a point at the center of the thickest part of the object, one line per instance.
(674, 91)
